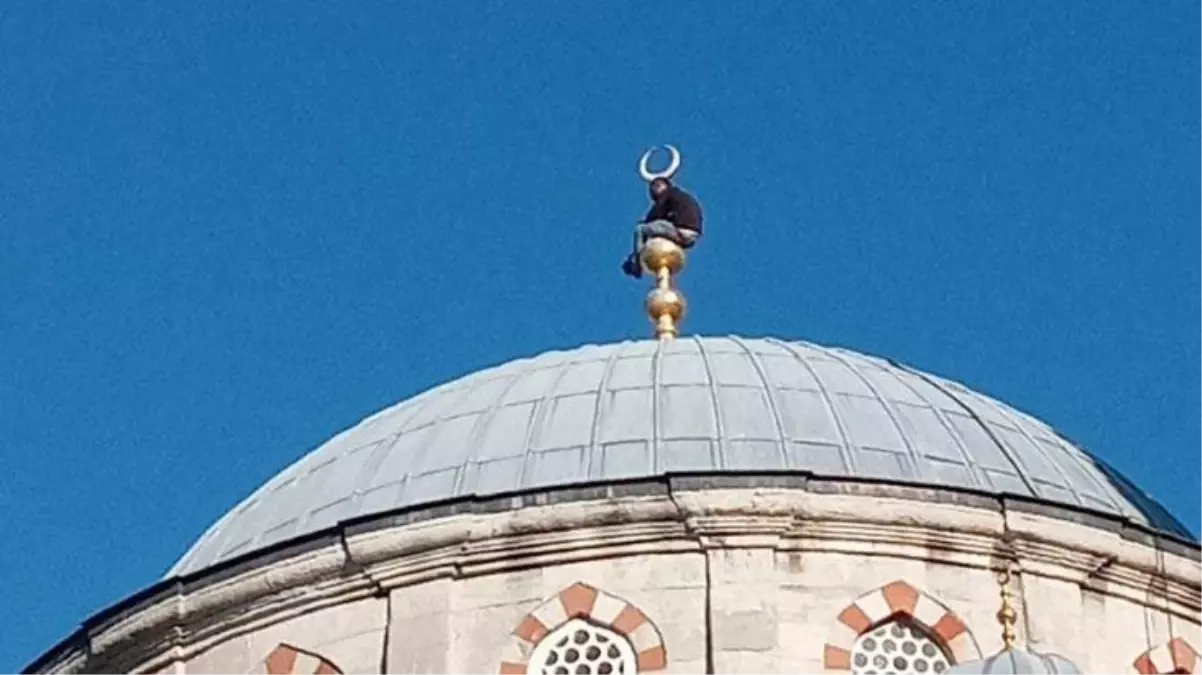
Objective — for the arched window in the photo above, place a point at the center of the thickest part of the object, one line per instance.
(897, 629)
(1175, 657)
(899, 646)
(585, 631)
(579, 647)
(288, 660)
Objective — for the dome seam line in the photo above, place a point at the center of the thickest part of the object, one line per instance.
(602, 387)
(1068, 484)
(434, 424)
(718, 454)
(885, 403)
(1018, 467)
(846, 446)
(474, 437)
(537, 417)
(979, 477)
(782, 438)
(429, 398)
(656, 377)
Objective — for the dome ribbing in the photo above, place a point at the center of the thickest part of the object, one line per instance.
(649, 408)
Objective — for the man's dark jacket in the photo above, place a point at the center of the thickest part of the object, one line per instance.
(678, 207)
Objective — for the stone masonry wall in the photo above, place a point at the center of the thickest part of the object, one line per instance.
(715, 580)
(769, 612)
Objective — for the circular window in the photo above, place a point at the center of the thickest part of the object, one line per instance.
(581, 648)
(898, 647)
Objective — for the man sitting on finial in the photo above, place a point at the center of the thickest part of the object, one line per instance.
(675, 214)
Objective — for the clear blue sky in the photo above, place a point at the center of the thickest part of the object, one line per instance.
(232, 229)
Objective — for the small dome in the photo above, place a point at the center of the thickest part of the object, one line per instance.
(1016, 661)
(648, 408)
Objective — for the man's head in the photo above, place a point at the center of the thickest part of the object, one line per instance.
(659, 186)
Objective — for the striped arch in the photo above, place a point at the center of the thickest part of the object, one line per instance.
(581, 601)
(1176, 656)
(289, 660)
(895, 599)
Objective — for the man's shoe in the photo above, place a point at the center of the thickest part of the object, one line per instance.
(632, 268)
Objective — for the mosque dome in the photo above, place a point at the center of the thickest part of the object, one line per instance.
(681, 505)
(1015, 661)
(640, 409)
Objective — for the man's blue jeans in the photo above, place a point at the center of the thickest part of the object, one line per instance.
(664, 229)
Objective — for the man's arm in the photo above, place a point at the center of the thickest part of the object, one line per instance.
(686, 212)
(656, 212)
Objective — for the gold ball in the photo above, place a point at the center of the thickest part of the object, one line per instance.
(665, 302)
(662, 253)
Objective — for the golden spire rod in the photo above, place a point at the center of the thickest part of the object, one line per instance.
(1006, 615)
(665, 303)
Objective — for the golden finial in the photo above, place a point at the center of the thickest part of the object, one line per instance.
(1006, 615)
(663, 258)
(665, 304)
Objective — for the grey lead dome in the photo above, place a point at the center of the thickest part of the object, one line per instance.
(647, 408)
(1015, 661)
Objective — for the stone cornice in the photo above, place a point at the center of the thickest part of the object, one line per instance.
(181, 619)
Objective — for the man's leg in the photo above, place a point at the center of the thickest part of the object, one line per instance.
(642, 232)
(657, 228)
(687, 237)
(631, 266)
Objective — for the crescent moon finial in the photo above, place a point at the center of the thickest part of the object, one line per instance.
(673, 166)
(643, 170)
